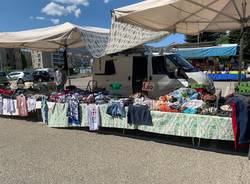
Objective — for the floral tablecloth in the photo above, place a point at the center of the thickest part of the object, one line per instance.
(177, 124)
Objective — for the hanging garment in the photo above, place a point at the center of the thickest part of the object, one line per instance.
(9, 107)
(57, 115)
(1, 105)
(242, 104)
(44, 110)
(22, 105)
(116, 109)
(73, 111)
(139, 115)
(31, 104)
(93, 117)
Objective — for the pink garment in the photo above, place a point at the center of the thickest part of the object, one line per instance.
(22, 105)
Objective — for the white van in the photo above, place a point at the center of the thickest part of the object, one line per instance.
(165, 73)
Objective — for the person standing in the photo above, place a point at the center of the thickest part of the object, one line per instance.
(60, 79)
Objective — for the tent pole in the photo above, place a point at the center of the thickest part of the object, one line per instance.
(66, 64)
(241, 51)
(242, 32)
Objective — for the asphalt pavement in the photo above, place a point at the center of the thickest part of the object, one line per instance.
(31, 153)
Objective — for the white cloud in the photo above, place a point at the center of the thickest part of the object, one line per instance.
(55, 21)
(37, 18)
(40, 18)
(71, 8)
(54, 9)
(78, 13)
(74, 2)
(107, 1)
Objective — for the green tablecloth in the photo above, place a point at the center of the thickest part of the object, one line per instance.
(177, 124)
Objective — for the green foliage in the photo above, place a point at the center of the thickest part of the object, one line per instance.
(224, 39)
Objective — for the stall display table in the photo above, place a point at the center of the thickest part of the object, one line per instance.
(168, 123)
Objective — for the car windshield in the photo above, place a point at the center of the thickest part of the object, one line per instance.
(181, 62)
(2, 74)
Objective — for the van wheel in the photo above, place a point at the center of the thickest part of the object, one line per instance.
(20, 81)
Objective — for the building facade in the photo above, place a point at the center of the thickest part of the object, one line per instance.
(10, 59)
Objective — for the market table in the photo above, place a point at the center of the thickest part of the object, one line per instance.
(167, 123)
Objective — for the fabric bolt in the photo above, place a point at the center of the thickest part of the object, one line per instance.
(116, 109)
(22, 105)
(74, 111)
(44, 110)
(139, 115)
(31, 104)
(93, 117)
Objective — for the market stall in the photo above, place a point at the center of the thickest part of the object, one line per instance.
(219, 62)
(184, 112)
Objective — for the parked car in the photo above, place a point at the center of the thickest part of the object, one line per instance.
(20, 76)
(248, 69)
(3, 78)
(51, 71)
(41, 76)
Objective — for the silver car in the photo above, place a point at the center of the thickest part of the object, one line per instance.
(20, 76)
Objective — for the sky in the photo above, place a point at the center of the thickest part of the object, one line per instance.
(17, 15)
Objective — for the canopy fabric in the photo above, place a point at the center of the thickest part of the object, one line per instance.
(203, 52)
(186, 16)
(122, 37)
(50, 38)
(97, 41)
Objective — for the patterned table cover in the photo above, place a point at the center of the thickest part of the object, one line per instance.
(168, 123)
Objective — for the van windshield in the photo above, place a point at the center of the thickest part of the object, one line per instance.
(181, 62)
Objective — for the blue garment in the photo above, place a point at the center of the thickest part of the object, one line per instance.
(139, 115)
(44, 110)
(73, 111)
(189, 110)
(243, 117)
(184, 95)
(116, 109)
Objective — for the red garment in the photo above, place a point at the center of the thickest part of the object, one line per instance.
(166, 108)
(235, 128)
(200, 90)
(22, 105)
(234, 124)
(6, 92)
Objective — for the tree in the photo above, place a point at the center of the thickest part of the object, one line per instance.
(204, 37)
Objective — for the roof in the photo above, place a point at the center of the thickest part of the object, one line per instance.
(202, 52)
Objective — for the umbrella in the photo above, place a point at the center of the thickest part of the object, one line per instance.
(189, 16)
(65, 36)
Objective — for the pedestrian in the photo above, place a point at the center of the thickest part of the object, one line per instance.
(60, 79)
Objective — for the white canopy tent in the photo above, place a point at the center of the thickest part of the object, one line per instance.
(188, 16)
(98, 41)
(65, 35)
